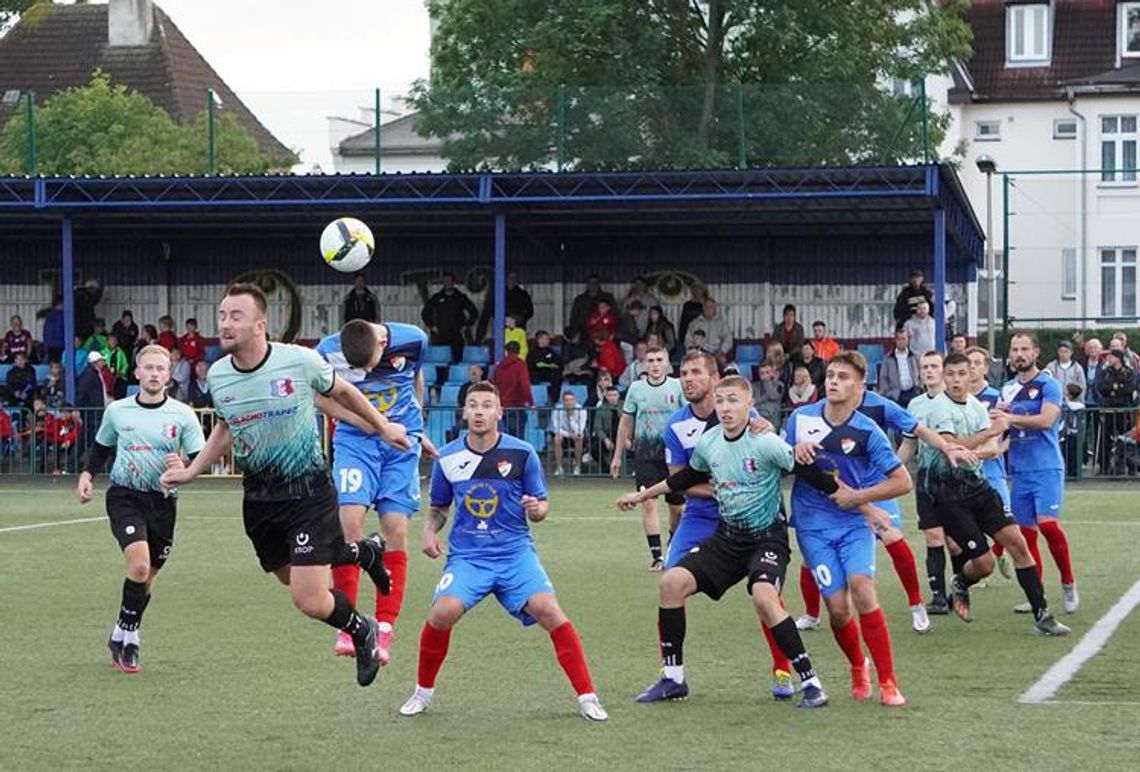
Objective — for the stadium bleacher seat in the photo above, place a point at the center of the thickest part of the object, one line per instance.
(438, 355)
(440, 422)
(42, 372)
(541, 394)
(213, 353)
(479, 355)
(4, 369)
(448, 396)
(456, 375)
(750, 352)
(132, 389)
(535, 434)
(578, 390)
(80, 361)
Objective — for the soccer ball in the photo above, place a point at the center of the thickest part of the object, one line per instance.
(347, 244)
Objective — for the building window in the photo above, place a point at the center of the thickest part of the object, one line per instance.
(1064, 128)
(1118, 281)
(1068, 273)
(1028, 33)
(987, 131)
(1118, 148)
(1129, 30)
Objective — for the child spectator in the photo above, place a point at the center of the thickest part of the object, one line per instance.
(568, 423)
(119, 364)
(768, 393)
(199, 391)
(53, 388)
(803, 390)
(192, 344)
(21, 382)
(602, 319)
(606, 418)
(607, 355)
(515, 333)
(97, 341)
(544, 363)
(179, 385)
(166, 337)
(126, 331)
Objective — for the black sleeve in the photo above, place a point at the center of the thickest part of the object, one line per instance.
(685, 479)
(816, 478)
(97, 458)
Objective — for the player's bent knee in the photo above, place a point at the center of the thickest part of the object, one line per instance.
(676, 585)
(139, 571)
(444, 613)
(394, 528)
(863, 593)
(934, 537)
(352, 521)
(312, 603)
(984, 564)
(545, 610)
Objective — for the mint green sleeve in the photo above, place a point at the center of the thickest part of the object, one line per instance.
(318, 372)
(699, 459)
(778, 452)
(193, 440)
(108, 433)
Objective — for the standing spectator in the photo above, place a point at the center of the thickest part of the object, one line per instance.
(789, 333)
(53, 388)
(1131, 359)
(602, 319)
(199, 391)
(576, 357)
(178, 387)
(606, 419)
(91, 387)
(127, 332)
(898, 374)
(192, 344)
(824, 345)
(815, 366)
(544, 364)
(607, 355)
(597, 392)
(97, 340)
(1093, 352)
(629, 327)
(517, 334)
(1116, 385)
(660, 326)
(920, 328)
(119, 364)
(54, 341)
(910, 296)
(958, 343)
(19, 340)
(166, 337)
(1072, 417)
(21, 381)
(803, 391)
(1065, 371)
(768, 393)
(636, 367)
(568, 423)
(718, 338)
(513, 383)
(360, 302)
(639, 292)
(61, 437)
(518, 303)
(690, 311)
(86, 298)
(586, 304)
(447, 314)
(147, 335)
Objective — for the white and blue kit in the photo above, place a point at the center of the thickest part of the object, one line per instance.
(837, 543)
(490, 549)
(888, 414)
(994, 468)
(367, 471)
(1036, 466)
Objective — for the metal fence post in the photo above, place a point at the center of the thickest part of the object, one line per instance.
(211, 160)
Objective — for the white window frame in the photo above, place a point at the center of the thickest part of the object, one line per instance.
(980, 137)
(1058, 134)
(1123, 10)
(1069, 273)
(1020, 17)
(1116, 174)
(1114, 258)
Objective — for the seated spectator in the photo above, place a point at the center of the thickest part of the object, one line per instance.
(199, 391)
(53, 332)
(192, 344)
(908, 299)
(607, 356)
(21, 381)
(803, 390)
(606, 418)
(576, 356)
(19, 340)
(602, 319)
(513, 382)
(825, 346)
(61, 438)
(659, 325)
(629, 327)
(1066, 371)
(920, 328)
(91, 388)
(815, 366)
(898, 374)
(636, 367)
(179, 386)
(768, 393)
(639, 292)
(53, 388)
(718, 338)
(127, 332)
(788, 333)
(97, 340)
(959, 343)
(517, 334)
(544, 363)
(568, 424)
(5, 357)
(119, 364)
(166, 337)
(597, 393)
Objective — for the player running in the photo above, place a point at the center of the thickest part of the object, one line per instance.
(994, 468)
(750, 542)
(699, 518)
(831, 530)
(968, 508)
(140, 431)
(384, 361)
(496, 484)
(647, 406)
(1031, 403)
(264, 394)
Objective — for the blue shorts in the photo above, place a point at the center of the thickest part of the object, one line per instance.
(1037, 493)
(370, 473)
(691, 531)
(891, 507)
(514, 579)
(999, 485)
(833, 554)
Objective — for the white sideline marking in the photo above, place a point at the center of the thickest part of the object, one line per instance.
(1089, 702)
(1087, 647)
(49, 525)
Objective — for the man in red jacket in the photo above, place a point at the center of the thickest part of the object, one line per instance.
(192, 344)
(608, 356)
(513, 382)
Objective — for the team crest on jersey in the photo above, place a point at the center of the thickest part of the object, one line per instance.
(398, 362)
(281, 387)
(481, 501)
(383, 400)
(504, 467)
(1033, 393)
(847, 445)
(749, 465)
(170, 431)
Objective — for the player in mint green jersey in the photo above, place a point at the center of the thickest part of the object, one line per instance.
(139, 432)
(645, 414)
(264, 397)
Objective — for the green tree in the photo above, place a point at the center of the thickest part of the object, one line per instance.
(683, 83)
(109, 129)
(10, 9)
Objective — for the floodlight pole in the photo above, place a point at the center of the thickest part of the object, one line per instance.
(991, 266)
(211, 161)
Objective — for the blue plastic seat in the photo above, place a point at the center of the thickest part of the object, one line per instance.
(479, 355)
(578, 390)
(438, 355)
(540, 394)
(440, 421)
(456, 375)
(448, 396)
(750, 352)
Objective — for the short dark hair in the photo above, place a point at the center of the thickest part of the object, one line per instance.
(707, 359)
(513, 347)
(852, 359)
(655, 350)
(192, 321)
(483, 387)
(819, 323)
(789, 307)
(357, 342)
(956, 358)
(247, 288)
(1025, 334)
(636, 304)
(735, 382)
(936, 354)
(979, 350)
(128, 313)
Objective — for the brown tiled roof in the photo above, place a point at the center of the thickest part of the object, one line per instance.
(55, 47)
(1083, 51)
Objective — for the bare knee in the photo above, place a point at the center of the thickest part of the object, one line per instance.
(934, 538)
(546, 611)
(676, 585)
(283, 574)
(394, 529)
(863, 593)
(444, 613)
(767, 602)
(838, 609)
(139, 571)
(312, 602)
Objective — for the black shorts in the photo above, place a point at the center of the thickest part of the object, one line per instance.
(142, 516)
(968, 520)
(927, 511)
(649, 472)
(721, 561)
(297, 532)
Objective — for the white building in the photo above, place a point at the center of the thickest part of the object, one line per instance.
(353, 144)
(1054, 86)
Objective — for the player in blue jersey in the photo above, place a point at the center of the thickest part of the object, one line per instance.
(1031, 404)
(139, 432)
(699, 518)
(264, 397)
(832, 531)
(383, 361)
(994, 468)
(495, 483)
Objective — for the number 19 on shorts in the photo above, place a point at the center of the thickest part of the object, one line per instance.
(350, 480)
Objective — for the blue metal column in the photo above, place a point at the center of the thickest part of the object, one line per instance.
(500, 280)
(68, 288)
(939, 279)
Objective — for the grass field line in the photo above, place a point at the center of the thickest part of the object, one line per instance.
(33, 526)
(1116, 703)
(1087, 647)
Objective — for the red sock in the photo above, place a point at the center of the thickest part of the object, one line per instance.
(848, 639)
(388, 606)
(998, 550)
(433, 650)
(907, 569)
(1059, 548)
(780, 660)
(347, 580)
(878, 639)
(810, 590)
(568, 648)
(1030, 535)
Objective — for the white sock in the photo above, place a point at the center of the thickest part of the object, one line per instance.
(117, 634)
(130, 637)
(425, 692)
(675, 673)
(587, 696)
(813, 681)
(384, 627)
